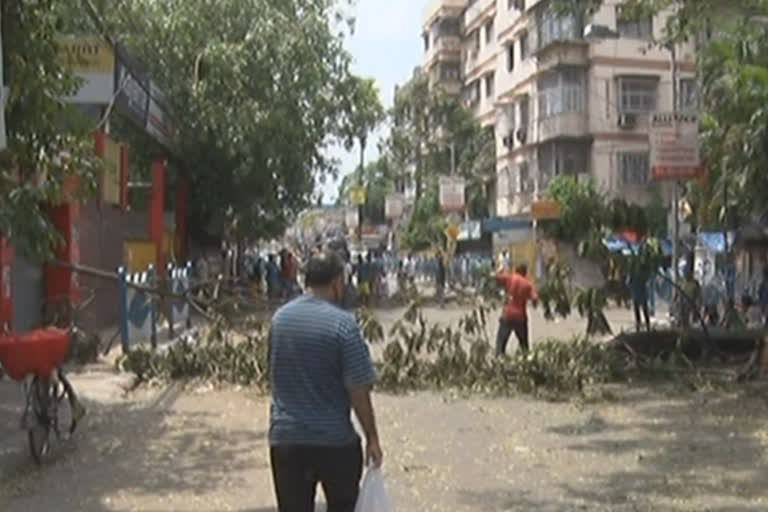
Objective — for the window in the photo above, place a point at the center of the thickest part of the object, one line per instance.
(634, 167)
(523, 46)
(474, 46)
(450, 71)
(637, 95)
(425, 37)
(561, 93)
(489, 32)
(489, 83)
(472, 92)
(524, 174)
(571, 158)
(524, 110)
(687, 100)
(450, 27)
(552, 27)
(516, 4)
(634, 28)
(511, 56)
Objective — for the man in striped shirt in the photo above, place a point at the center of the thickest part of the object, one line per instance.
(320, 367)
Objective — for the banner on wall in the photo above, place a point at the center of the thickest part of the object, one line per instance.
(92, 60)
(452, 194)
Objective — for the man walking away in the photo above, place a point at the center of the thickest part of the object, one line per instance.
(519, 290)
(319, 367)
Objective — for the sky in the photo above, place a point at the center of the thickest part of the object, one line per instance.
(385, 46)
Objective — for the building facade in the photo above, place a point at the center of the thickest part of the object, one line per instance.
(559, 104)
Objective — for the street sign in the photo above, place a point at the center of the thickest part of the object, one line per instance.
(452, 232)
(393, 206)
(356, 194)
(545, 209)
(674, 142)
(451, 194)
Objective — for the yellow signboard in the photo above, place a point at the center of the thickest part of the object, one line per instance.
(545, 209)
(86, 54)
(138, 254)
(111, 183)
(357, 194)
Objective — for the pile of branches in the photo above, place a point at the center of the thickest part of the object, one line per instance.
(420, 355)
(417, 355)
(218, 353)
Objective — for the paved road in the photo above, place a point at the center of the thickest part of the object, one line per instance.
(199, 449)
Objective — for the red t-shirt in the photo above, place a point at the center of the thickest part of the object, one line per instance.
(519, 291)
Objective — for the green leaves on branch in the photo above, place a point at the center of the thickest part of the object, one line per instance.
(49, 144)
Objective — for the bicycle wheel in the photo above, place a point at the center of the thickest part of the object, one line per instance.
(38, 433)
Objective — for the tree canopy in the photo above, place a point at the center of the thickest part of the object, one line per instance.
(258, 92)
(428, 129)
(49, 144)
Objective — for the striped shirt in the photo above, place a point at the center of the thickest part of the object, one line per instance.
(316, 352)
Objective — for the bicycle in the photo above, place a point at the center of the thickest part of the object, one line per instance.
(34, 359)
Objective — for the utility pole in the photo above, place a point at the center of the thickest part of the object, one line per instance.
(361, 184)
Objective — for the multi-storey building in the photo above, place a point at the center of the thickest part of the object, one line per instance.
(442, 40)
(560, 104)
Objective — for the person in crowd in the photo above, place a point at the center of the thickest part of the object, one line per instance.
(733, 319)
(514, 318)
(363, 281)
(504, 260)
(763, 292)
(320, 370)
(273, 277)
(689, 302)
(710, 296)
(440, 278)
(638, 285)
(752, 312)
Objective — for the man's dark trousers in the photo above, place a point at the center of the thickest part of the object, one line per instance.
(506, 327)
(297, 469)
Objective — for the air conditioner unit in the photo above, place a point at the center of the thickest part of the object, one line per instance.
(627, 121)
(521, 135)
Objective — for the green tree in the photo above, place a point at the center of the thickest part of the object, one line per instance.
(432, 135)
(256, 90)
(48, 142)
(363, 113)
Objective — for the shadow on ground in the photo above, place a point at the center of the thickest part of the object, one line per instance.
(137, 448)
(681, 452)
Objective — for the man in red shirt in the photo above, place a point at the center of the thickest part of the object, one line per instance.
(519, 290)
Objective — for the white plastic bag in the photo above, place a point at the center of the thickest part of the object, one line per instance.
(373, 495)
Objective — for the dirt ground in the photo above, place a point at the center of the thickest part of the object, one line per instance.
(201, 449)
